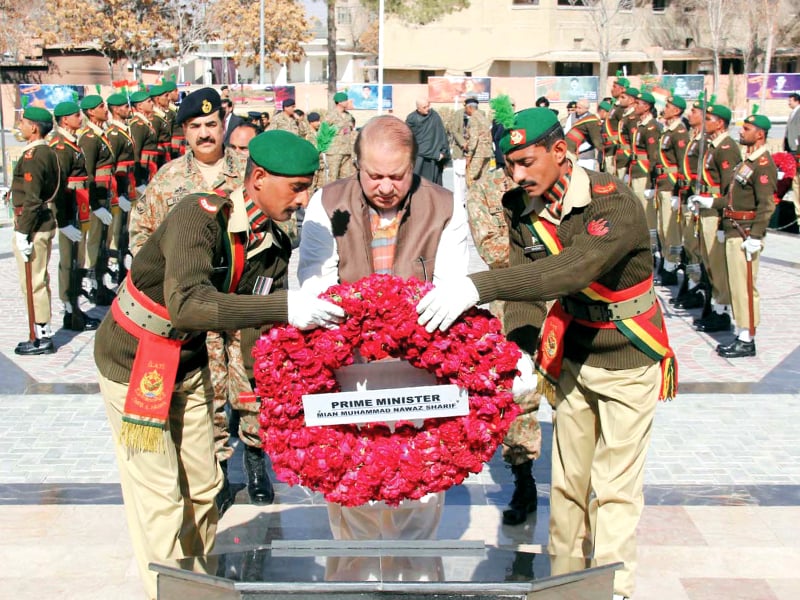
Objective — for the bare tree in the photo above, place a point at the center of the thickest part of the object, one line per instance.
(191, 20)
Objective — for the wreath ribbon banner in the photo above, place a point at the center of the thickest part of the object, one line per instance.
(354, 465)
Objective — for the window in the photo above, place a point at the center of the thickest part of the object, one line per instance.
(575, 3)
(525, 2)
(343, 15)
(659, 6)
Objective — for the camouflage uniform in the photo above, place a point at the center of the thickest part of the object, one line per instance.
(285, 122)
(175, 180)
(479, 146)
(490, 233)
(340, 153)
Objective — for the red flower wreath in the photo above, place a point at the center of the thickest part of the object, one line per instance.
(352, 465)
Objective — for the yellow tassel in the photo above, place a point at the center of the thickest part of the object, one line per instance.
(546, 389)
(669, 379)
(142, 438)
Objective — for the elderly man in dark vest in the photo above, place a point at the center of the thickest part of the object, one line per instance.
(383, 219)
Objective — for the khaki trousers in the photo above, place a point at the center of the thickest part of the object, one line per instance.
(40, 278)
(169, 497)
(601, 432)
(92, 232)
(411, 520)
(65, 264)
(737, 281)
(691, 243)
(639, 185)
(669, 227)
(713, 253)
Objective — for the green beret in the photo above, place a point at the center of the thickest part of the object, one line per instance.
(760, 121)
(604, 105)
(63, 109)
(622, 82)
(719, 110)
(339, 97)
(677, 102)
(117, 100)
(530, 126)
(200, 103)
(139, 96)
(155, 90)
(646, 97)
(284, 153)
(89, 102)
(632, 92)
(38, 114)
(169, 86)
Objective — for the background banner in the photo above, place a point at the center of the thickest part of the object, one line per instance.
(457, 89)
(779, 85)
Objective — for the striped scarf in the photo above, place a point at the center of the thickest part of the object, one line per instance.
(554, 197)
(259, 223)
(384, 241)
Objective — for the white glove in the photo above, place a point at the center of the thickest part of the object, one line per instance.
(626, 179)
(701, 201)
(23, 245)
(781, 175)
(104, 216)
(445, 303)
(124, 204)
(751, 245)
(307, 311)
(649, 194)
(720, 236)
(140, 189)
(525, 382)
(675, 201)
(72, 233)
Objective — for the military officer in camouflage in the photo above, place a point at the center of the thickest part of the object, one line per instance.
(288, 120)
(523, 442)
(746, 210)
(478, 151)
(209, 165)
(73, 176)
(34, 187)
(340, 153)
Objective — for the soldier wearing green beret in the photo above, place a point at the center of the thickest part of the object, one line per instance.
(580, 238)
(161, 123)
(100, 159)
(624, 138)
(177, 144)
(643, 159)
(721, 157)
(72, 209)
(671, 148)
(747, 206)
(124, 183)
(339, 155)
(611, 123)
(150, 349)
(34, 188)
(145, 141)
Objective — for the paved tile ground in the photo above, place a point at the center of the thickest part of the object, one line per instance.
(722, 476)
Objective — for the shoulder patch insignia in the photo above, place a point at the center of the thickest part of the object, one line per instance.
(29, 154)
(681, 143)
(604, 189)
(651, 140)
(763, 161)
(597, 227)
(725, 164)
(28, 177)
(763, 179)
(208, 206)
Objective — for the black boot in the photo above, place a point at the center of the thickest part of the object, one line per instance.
(667, 278)
(524, 499)
(682, 291)
(42, 345)
(694, 298)
(224, 497)
(258, 484)
(715, 322)
(707, 310)
(737, 349)
(79, 321)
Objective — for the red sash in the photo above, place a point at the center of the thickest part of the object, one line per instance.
(83, 205)
(152, 377)
(641, 332)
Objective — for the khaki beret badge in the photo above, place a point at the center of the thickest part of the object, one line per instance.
(205, 107)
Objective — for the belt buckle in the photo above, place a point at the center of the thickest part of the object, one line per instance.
(598, 312)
